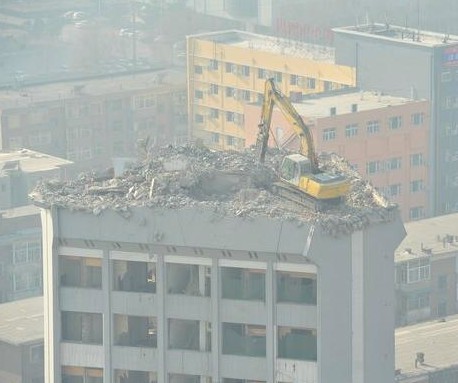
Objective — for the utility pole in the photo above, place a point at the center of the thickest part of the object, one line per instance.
(134, 34)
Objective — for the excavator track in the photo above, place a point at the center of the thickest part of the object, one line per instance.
(302, 199)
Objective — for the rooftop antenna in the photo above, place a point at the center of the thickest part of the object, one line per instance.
(418, 20)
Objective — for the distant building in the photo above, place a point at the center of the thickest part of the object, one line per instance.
(21, 266)
(20, 170)
(385, 138)
(426, 270)
(227, 70)
(427, 352)
(21, 341)
(418, 64)
(91, 121)
(188, 296)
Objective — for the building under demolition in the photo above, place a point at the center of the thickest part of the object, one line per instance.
(189, 269)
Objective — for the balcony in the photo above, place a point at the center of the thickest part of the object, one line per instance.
(78, 354)
(135, 358)
(80, 299)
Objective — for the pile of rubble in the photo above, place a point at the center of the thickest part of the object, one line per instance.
(227, 183)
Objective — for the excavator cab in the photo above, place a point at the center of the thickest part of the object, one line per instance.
(293, 167)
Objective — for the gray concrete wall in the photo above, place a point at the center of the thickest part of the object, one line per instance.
(355, 323)
(391, 67)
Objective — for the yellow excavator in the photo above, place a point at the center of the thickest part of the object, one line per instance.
(301, 179)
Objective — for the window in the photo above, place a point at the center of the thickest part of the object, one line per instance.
(230, 68)
(242, 284)
(373, 167)
(416, 212)
(278, 76)
(416, 159)
(214, 89)
(231, 141)
(451, 129)
(15, 142)
(71, 374)
(351, 130)
(394, 190)
(215, 138)
(417, 301)
(296, 288)
(183, 334)
(417, 118)
(23, 281)
(415, 270)
(199, 118)
(134, 276)
(393, 163)
(214, 113)
(446, 76)
(261, 73)
(213, 65)
(328, 85)
(395, 122)
(198, 69)
(373, 127)
(36, 353)
(297, 343)
(416, 186)
(144, 101)
(229, 116)
(82, 327)
(135, 331)
(244, 339)
(246, 95)
(442, 281)
(245, 70)
(82, 272)
(40, 138)
(294, 79)
(26, 252)
(199, 94)
(329, 134)
(229, 91)
(311, 83)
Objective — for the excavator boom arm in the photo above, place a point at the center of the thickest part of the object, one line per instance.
(273, 96)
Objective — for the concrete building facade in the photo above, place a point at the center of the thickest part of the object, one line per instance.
(183, 295)
(20, 254)
(92, 121)
(426, 270)
(413, 63)
(383, 137)
(228, 69)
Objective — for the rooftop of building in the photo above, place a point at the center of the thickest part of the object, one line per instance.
(226, 183)
(320, 105)
(429, 237)
(400, 34)
(29, 161)
(21, 211)
(161, 80)
(22, 321)
(276, 45)
(436, 339)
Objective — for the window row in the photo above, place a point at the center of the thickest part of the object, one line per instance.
(236, 283)
(396, 189)
(394, 163)
(261, 73)
(237, 338)
(372, 127)
(214, 114)
(412, 271)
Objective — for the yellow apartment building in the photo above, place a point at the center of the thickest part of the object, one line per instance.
(227, 70)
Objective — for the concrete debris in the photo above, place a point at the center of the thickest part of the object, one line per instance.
(227, 183)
